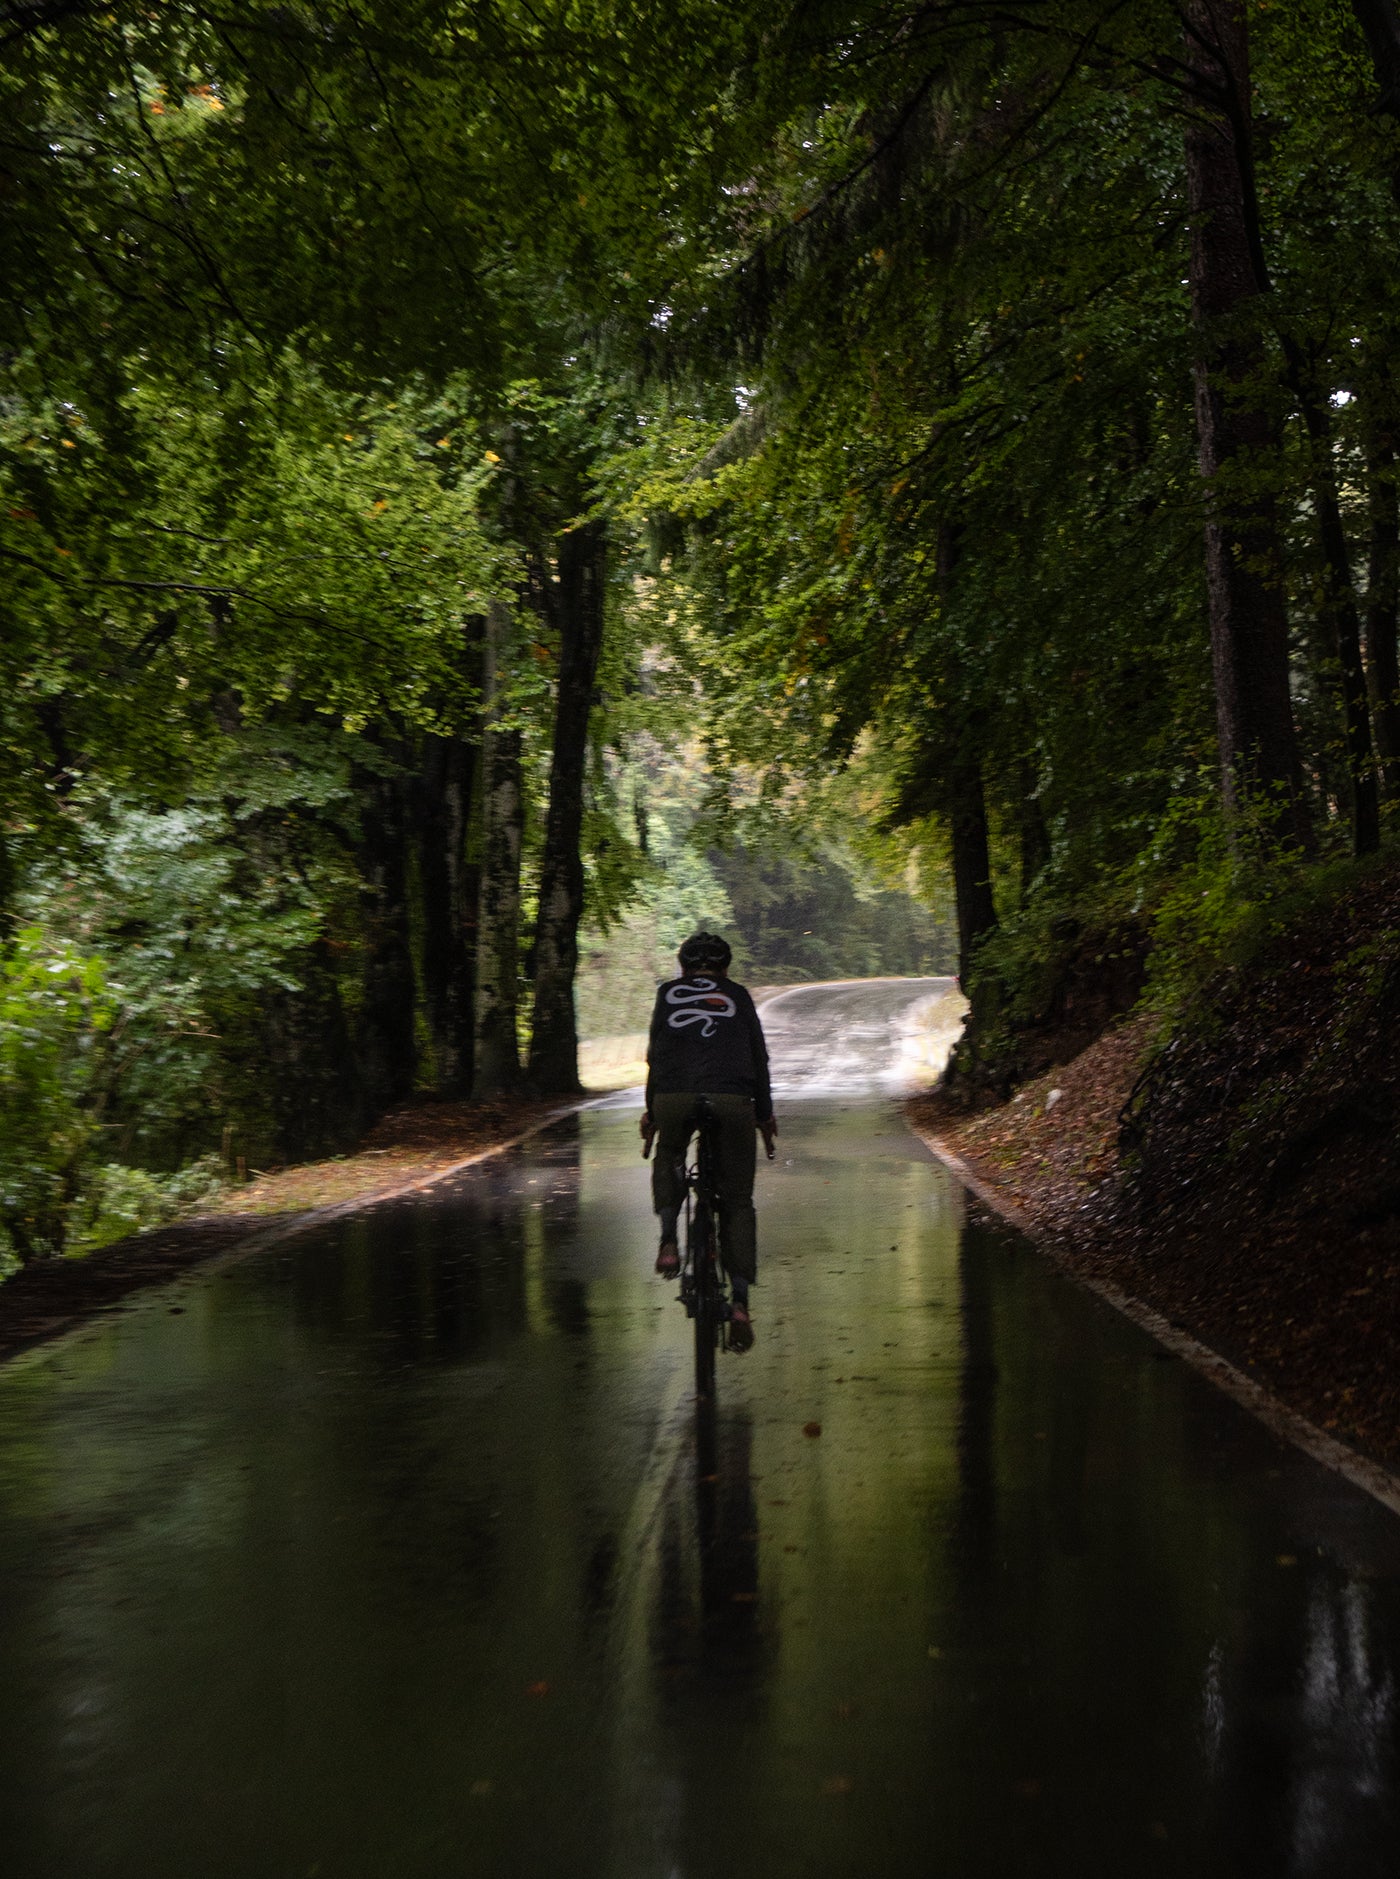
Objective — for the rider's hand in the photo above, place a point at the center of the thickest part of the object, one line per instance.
(646, 1128)
(769, 1131)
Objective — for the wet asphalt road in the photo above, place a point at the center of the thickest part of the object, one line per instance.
(400, 1555)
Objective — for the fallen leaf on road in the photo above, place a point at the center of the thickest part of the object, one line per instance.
(537, 1689)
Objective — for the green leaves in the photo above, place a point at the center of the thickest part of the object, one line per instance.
(56, 1010)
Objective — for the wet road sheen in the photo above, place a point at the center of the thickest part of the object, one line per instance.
(397, 1555)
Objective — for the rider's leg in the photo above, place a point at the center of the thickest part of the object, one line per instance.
(674, 1117)
(737, 1156)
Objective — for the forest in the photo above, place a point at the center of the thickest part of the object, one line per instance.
(489, 484)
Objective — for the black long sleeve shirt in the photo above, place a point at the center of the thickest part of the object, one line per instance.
(706, 1039)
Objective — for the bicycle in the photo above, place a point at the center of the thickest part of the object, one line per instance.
(703, 1291)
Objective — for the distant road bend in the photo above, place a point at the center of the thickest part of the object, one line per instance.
(854, 1036)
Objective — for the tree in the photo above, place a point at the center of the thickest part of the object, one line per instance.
(579, 599)
(496, 1069)
(1237, 438)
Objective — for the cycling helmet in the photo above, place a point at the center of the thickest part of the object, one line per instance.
(705, 949)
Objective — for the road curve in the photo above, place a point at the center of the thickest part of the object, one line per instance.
(852, 1037)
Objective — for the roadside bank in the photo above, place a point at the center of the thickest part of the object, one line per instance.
(1244, 1183)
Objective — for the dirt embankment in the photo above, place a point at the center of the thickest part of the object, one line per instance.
(1245, 1181)
(408, 1149)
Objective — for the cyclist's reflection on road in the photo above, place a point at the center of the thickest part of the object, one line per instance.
(706, 1614)
(726, 1522)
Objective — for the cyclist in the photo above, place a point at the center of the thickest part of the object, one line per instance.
(706, 1041)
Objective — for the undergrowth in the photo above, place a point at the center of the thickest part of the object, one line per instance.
(1205, 901)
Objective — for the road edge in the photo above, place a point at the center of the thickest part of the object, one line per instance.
(360, 1203)
(1271, 1410)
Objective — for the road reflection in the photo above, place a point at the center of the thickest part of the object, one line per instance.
(1299, 1724)
(407, 1553)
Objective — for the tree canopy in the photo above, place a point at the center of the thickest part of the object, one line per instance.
(959, 435)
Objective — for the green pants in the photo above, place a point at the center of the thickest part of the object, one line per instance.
(736, 1155)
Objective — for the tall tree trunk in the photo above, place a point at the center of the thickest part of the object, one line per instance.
(1236, 437)
(966, 796)
(1034, 836)
(445, 779)
(580, 592)
(1380, 21)
(448, 883)
(318, 1086)
(497, 1051)
(386, 1044)
(1383, 608)
(1340, 614)
(972, 860)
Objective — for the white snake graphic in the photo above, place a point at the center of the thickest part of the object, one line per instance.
(698, 992)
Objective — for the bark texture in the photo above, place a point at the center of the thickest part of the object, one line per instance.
(1237, 437)
(1383, 610)
(579, 593)
(497, 1052)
